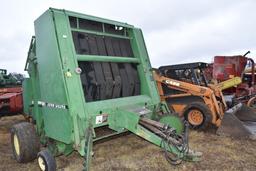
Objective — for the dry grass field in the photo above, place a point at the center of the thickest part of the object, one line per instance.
(129, 152)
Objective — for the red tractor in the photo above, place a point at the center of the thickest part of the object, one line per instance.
(10, 93)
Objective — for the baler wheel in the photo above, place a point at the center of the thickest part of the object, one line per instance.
(46, 161)
(198, 115)
(25, 143)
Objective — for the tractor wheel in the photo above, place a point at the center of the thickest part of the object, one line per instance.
(46, 161)
(198, 115)
(25, 143)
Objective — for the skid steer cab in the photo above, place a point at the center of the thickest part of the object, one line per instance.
(87, 73)
(186, 90)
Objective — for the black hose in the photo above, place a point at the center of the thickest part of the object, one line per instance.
(186, 134)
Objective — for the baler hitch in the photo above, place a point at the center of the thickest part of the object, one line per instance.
(169, 138)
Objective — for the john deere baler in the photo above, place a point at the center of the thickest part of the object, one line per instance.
(87, 72)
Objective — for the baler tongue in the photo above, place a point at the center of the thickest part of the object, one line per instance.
(238, 122)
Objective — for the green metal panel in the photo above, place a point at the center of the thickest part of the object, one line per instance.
(145, 69)
(57, 123)
(34, 92)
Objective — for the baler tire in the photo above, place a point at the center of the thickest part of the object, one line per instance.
(46, 159)
(205, 111)
(25, 143)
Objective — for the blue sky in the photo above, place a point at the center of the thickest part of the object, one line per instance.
(174, 31)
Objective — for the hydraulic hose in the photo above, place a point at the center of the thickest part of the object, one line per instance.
(170, 139)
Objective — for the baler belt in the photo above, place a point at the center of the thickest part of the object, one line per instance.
(117, 80)
(109, 79)
(88, 80)
(130, 78)
(109, 46)
(83, 44)
(101, 84)
(136, 81)
(93, 45)
(125, 48)
(124, 80)
(101, 45)
(86, 86)
(116, 47)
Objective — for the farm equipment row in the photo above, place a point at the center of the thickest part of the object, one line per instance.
(10, 93)
(87, 73)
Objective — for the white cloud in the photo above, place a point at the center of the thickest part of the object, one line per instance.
(200, 39)
(175, 31)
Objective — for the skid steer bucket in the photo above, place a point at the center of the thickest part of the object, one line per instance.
(239, 121)
(246, 114)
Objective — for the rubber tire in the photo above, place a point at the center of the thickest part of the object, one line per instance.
(207, 114)
(29, 144)
(49, 160)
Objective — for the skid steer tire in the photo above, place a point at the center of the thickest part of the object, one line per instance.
(25, 143)
(198, 115)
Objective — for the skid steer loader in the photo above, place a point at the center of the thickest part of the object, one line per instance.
(187, 91)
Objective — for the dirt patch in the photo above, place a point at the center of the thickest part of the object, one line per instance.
(130, 152)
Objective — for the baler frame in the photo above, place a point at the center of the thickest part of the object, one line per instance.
(59, 95)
